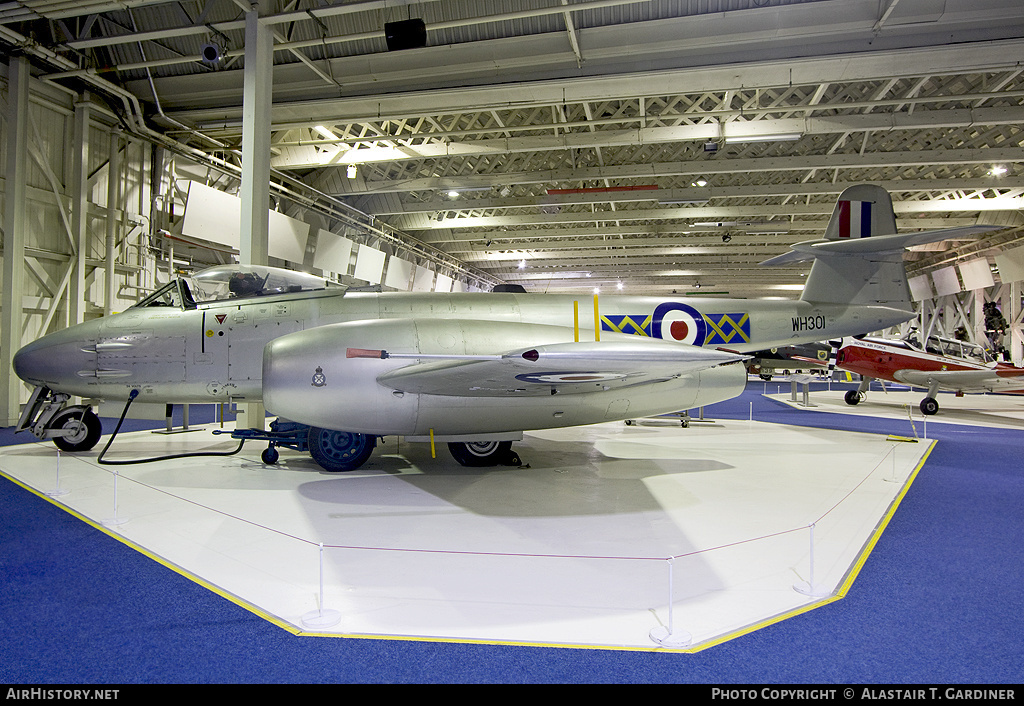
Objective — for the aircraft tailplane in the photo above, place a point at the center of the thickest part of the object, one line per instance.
(860, 259)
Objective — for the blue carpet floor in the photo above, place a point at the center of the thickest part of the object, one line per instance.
(938, 601)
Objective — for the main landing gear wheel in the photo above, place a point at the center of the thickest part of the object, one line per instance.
(84, 429)
(484, 453)
(339, 451)
(929, 406)
(853, 397)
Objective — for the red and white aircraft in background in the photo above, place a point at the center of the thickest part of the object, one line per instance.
(943, 364)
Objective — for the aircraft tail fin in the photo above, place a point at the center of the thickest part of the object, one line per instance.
(860, 259)
(862, 211)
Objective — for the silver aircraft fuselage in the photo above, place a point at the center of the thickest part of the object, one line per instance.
(214, 353)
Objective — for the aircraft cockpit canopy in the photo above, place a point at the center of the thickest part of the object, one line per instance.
(952, 348)
(227, 282)
(242, 281)
(958, 349)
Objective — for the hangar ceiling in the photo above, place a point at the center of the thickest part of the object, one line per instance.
(667, 145)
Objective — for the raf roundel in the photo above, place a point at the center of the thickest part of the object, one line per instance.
(674, 321)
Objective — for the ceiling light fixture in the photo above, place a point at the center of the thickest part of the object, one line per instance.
(997, 170)
(699, 181)
(351, 171)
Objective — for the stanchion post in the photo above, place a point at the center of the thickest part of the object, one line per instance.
(321, 617)
(115, 520)
(809, 588)
(57, 491)
(668, 636)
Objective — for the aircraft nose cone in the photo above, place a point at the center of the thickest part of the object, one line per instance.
(34, 363)
(53, 360)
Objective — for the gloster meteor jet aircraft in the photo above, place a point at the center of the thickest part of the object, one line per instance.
(471, 369)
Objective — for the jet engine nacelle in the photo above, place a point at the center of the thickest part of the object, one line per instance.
(415, 377)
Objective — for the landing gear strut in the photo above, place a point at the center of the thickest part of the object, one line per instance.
(929, 405)
(72, 428)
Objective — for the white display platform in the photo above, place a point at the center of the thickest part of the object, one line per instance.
(1004, 411)
(579, 548)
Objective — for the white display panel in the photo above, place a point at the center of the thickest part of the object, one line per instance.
(399, 274)
(369, 264)
(976, 274)
(946, 281)
(216, 216)
(920, 288)
(287, 238)
(423, 281)
(1011, 265)
(444, 283)
(212, 215)
(333, 252)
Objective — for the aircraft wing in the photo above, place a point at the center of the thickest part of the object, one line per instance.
(564, 368)
(991, 380)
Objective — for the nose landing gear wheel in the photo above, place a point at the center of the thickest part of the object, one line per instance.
(929, 406)
(339, 451)
(84, 426)
(853, 397)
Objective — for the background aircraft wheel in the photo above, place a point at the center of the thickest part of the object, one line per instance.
(852, 397)
(338, 451)
(270, 455)
(481, 453)
(929, 406)
(85, 425)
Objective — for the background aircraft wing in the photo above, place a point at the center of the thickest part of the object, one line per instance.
(991, 380)
(555, 368)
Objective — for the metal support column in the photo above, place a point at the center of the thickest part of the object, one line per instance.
(12, 316)
(79, 209)
(113, 215)
(258, 86)
(256, 103)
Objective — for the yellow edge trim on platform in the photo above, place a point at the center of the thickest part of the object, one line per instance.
(851, 575)
(158, 559)
(284, 625)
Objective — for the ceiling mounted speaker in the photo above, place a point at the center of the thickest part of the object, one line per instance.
(210, 53)
(406, 34)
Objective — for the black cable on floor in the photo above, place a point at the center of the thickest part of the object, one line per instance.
(131, 398)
